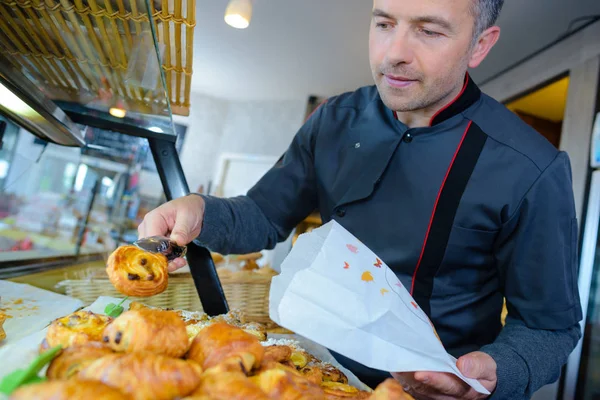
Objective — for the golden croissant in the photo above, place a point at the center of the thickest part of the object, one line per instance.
(68, 390)
(145, 376)
(280, 384)
(390, 389)
(136, 272)
(150, 330)
(72, 359)
(336, 390)
(77, 328)
(222, 343)
(228, 385)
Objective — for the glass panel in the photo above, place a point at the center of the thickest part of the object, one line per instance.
(98, 57)
(43, 197)
(589, 378)
(46, 192)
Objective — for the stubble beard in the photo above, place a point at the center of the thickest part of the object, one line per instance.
(424, 95)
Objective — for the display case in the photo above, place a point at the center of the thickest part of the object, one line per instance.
(87, 94)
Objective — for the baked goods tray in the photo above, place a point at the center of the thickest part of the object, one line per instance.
(24, 351)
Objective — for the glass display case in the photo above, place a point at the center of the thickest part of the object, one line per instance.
(87, 94)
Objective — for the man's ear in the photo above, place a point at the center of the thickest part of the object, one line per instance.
(484, 44)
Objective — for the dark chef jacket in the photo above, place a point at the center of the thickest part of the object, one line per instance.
(513, 236)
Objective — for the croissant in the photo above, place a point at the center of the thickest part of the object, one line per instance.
(2, 319)
(136, 272)
(154, 331)
(223, 343)
(390, 389)
(230, 386)
(269, 365)
(77, 328)
(145, 376)
(72, 359)
(281, 384)
(68, 390)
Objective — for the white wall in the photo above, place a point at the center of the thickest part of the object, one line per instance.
(218, 126)
(262, 127)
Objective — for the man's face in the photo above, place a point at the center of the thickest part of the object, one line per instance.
(419, 50)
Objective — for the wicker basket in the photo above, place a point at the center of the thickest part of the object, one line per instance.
(246, 291)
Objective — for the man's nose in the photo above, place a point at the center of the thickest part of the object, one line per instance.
(400, 50)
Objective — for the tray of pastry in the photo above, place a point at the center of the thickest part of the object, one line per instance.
(144, 352)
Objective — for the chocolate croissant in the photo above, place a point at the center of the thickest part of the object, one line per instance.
(136, 272)
(222, 343)
(149, 330)
(77, 328)
(145, 376)
(68, 390)
(228, 385)
(72, 359)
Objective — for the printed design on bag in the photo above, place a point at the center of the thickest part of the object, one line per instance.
(346, 265)
(384, 291)
(367, 276)
(378, 263)
(399, 284)
(414, 305)
(352, 248)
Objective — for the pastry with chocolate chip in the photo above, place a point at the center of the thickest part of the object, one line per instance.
(77, 328)
(148, 330)
(136, 272)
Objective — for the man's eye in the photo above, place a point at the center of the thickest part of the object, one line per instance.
(429, 33)
(382, 25)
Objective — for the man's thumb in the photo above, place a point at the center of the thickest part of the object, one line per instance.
(477, 365)
(181, 232)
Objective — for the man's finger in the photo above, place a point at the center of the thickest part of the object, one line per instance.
(154, 224)
(176, 264)
(142, 230)
(182, 231)
(442, 383)
(477, 365)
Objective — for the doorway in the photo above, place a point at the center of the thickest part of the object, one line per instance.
(544, 109)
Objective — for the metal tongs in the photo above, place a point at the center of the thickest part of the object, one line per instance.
(162, 245)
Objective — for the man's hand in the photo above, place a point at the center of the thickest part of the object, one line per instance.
(438, 386)
(180, 219)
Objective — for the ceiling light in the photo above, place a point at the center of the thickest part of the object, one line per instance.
(13, 103)
(118, 109)
(239, 13)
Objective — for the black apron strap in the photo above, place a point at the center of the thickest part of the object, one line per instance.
(451, 191)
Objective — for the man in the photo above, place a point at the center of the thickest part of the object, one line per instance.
(465, 202)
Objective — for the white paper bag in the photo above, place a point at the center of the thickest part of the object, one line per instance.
(336, 292)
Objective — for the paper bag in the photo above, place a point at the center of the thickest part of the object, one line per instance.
(336, 292)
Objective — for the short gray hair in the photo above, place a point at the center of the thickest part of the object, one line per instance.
(486, 13)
